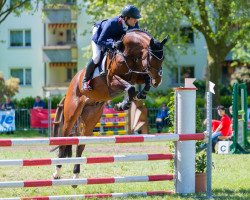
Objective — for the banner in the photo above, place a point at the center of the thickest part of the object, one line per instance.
(7, 121)
(39, 117)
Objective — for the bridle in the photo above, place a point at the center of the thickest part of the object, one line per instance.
(152, 54)
(146, 70)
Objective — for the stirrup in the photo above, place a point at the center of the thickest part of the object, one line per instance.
(86, 86)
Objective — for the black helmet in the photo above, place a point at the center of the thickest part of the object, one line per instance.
(131, 11)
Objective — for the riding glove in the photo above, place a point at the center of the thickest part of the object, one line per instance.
(118, 44)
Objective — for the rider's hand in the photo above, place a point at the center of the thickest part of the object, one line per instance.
(118, 44)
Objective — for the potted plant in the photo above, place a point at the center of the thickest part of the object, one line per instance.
(200, 169)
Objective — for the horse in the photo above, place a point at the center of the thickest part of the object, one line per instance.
(138, 61)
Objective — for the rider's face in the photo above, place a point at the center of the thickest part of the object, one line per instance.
(131, 21)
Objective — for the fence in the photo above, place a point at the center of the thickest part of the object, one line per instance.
(22, 117)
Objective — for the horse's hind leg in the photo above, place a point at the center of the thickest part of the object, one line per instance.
(72, 111)
(90, 116)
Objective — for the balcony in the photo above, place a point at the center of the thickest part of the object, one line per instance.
(62, 15)
(64, 53)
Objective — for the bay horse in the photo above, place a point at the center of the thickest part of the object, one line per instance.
(137, 62)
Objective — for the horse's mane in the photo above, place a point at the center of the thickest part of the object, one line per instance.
(140, 30)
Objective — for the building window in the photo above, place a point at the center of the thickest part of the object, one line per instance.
(187, 34)
(20, 38)
(24, 75)
(71, 72)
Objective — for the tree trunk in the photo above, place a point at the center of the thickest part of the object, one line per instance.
(214, 74)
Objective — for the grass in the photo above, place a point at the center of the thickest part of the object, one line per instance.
(25, 134)
(231, 177)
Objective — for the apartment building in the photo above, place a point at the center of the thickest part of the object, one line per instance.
(44, 50)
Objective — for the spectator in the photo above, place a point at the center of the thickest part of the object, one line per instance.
(9, 105)
(222, 129)
(162, 118)
(39, 104)
(2, 107)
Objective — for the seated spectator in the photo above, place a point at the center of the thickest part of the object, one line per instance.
(221, 129)
(162, 118)
(39, 104)
(9, 105)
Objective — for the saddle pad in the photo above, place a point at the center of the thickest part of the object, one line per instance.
(97, 71)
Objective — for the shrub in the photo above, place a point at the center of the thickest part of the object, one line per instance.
(28, 102)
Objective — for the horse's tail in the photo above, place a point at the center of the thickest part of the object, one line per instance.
(58, 122)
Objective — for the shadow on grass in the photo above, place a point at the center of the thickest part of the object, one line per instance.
(241, 194)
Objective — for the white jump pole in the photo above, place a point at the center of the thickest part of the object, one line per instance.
(185, 151)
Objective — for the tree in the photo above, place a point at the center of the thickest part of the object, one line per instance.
(15, 6)
(223, 23)
(8, 87)
(241, 75)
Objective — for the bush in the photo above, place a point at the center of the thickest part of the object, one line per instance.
(226, 101)
(28, 102)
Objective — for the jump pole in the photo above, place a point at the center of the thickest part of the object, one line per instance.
(185, 121)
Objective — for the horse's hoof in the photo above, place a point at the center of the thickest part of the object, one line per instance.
(55, 176)
(118, 107)
(121, 107)
(125, 107)
(76, 176)
(141, 97)
(74, 186)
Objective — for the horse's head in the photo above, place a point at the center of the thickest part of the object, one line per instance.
(155, 60)
(142, 54)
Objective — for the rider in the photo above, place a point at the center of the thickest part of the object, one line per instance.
(106, 34)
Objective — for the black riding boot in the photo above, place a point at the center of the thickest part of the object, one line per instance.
(88, 75)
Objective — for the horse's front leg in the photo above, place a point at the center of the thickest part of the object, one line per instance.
(143, 93)
(129, 97)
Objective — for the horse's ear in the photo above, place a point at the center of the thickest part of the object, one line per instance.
(164, 40)
(151, 42)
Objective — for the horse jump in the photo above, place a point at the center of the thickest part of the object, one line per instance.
(184, 156)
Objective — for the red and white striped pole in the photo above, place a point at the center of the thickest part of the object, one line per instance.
(185, 151)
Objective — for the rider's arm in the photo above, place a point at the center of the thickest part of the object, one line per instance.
(105, 39)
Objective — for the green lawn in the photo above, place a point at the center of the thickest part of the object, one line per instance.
(231, 173)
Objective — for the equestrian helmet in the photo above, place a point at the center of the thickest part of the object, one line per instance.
(131, 11)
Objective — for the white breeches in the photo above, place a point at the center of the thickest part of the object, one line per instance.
(95, 48)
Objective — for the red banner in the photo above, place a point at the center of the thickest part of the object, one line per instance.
(39, 118)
